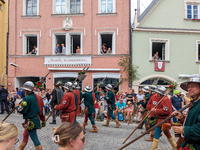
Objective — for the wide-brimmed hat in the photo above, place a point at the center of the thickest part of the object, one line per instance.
(58, 83)
(195, 78)
(161, 90)
(28, 85)
(145, 89)
(109, 87)
(88, 88)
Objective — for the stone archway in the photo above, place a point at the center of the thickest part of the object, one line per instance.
(136, 84)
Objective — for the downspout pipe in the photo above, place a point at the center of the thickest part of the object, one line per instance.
(7, 42)
(130, 38)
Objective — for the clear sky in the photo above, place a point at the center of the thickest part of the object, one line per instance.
(143, 5)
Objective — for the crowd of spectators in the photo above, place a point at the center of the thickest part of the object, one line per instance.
(9, 98)
(126, 102)
(63, 51)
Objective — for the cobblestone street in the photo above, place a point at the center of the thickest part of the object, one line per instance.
(107, 138)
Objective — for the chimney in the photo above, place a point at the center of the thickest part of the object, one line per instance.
(138, 8)
(135, 22)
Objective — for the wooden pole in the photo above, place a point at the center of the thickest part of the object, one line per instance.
(157, 125)
(147, 115)
(63, 96)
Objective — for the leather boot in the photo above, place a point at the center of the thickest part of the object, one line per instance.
(151, 136)
(147, 128)
(141, 126)
(95, 130)
(172, 143)
(117, 123)
(79, 124)
(53, 122)
(154, 144)
(22, 145)
(38, 147)
(107, 123)
(84, 124)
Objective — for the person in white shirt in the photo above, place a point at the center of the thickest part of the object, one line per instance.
(63, 49)
(140, 96)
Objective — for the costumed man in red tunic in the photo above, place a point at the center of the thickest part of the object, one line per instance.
(77, 92)
(67, 105)
(152, 120)
(162, 111)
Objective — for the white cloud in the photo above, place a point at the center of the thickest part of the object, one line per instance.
(143, 5)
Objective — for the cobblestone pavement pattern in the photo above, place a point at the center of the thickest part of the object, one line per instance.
(107, 138)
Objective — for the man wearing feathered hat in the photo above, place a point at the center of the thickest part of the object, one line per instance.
(191, 123)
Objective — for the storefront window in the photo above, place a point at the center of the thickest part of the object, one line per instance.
(67, 79)
(111, 81)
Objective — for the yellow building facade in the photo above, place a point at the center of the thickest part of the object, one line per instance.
(3, 40)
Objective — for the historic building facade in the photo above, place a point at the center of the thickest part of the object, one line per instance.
(170, 29)
(3, 40)
(81, 27)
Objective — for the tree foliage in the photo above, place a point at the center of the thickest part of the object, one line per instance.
(130, 69)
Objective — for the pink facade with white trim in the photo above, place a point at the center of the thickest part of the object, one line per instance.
(88, 28)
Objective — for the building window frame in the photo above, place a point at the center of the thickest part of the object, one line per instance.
(192, 3)
(100, 41)
(167, 47)
(67, 7)
(25, 8)
(25, 42)
(197, 50)
(67, 42)
(100, 3)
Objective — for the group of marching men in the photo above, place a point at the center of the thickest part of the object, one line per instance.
(68, 104)
(70, 107)
(188, 125)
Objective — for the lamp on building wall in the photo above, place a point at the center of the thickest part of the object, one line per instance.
(13, 64)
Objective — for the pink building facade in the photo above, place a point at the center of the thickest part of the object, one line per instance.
(87, 24)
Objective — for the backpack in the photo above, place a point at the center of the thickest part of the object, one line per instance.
(120, 116)
(41, 107)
